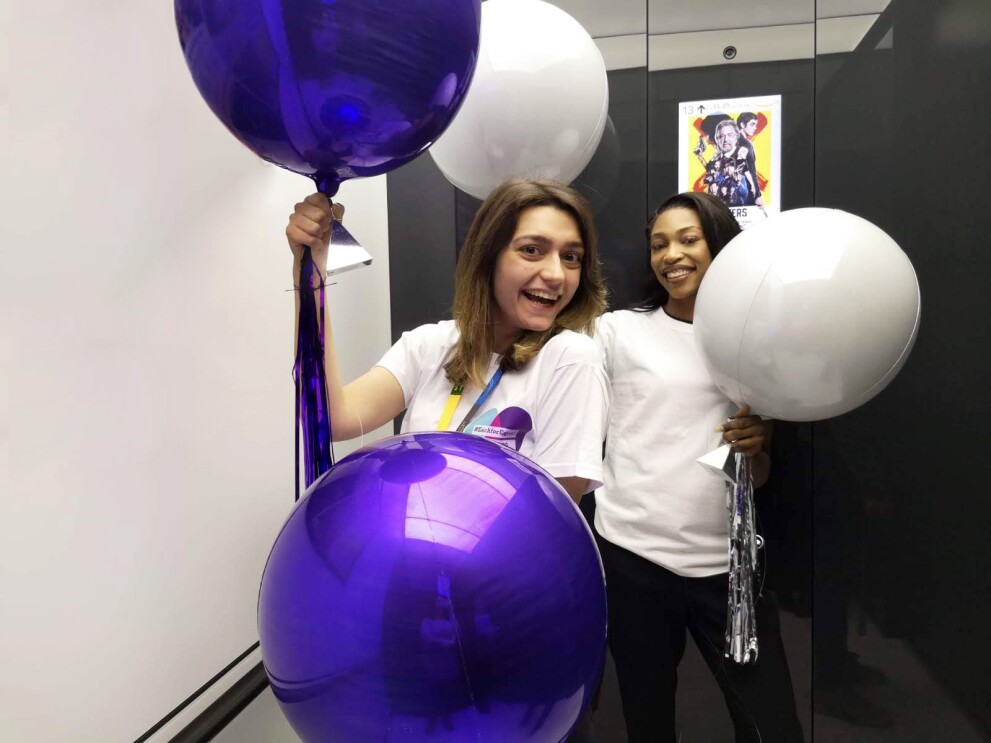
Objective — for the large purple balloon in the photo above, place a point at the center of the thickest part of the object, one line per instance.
(433, 586)
(332, 89)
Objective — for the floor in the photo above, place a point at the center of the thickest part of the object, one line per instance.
(922, 712)
(701, 712)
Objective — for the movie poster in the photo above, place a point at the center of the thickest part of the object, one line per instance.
(731, 148)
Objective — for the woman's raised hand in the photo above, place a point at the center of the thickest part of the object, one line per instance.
(310, 225)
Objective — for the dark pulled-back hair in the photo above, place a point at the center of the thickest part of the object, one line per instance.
(719, 226)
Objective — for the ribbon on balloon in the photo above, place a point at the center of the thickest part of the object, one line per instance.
(744, 543)
(313, 426)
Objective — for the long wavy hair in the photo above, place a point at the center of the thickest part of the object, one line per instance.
(490, 232)
(719, 226)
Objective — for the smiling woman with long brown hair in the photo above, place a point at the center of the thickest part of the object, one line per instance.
(514, 365)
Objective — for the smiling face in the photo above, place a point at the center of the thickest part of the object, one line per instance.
(536, 274)
(679, 256)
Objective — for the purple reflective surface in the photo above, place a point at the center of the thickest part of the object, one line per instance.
(433, 586)
(332, 89)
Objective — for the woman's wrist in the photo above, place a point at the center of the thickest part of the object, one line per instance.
(318, 276)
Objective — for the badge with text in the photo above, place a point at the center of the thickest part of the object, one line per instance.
(508, 427)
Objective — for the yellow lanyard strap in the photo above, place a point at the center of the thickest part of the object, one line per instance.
(455, 398)
(450, 407)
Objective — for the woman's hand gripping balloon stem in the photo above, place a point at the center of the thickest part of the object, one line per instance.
(310, 226)
(749, 435)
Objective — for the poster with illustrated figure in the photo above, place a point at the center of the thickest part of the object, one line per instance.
(731, 148)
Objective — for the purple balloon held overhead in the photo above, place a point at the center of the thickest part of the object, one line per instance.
(434, 586)
(332, 89)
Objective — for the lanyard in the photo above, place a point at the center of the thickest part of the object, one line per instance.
(455, 398)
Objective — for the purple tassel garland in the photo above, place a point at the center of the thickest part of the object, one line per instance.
(310, 376)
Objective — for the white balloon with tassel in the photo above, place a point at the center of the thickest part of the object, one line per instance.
(804, 316)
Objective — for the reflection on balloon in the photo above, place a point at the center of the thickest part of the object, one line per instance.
(433, 586)
(332, 90)
(808, 314)
(537, 105)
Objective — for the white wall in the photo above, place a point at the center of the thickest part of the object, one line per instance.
(146, 363)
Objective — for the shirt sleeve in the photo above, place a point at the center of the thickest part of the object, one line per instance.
(572, 412)
(605, 335)
(405, 359)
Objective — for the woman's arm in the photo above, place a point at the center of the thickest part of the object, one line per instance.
(375, 397)
(570, 418)
(576, 487)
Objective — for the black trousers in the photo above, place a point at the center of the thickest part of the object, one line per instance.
(650, 610)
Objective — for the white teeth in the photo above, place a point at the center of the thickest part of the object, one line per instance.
(542, 295)
(677, 274)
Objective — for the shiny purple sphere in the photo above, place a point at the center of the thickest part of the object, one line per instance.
(332, 89)
(433, 586)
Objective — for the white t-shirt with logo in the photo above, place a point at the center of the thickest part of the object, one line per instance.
(552, 411)
(657, 501)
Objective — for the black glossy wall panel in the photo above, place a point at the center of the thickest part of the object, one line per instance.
(421, 245)
(901, 513)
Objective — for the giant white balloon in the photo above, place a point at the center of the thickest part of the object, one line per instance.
(808, 314)
(537, 104)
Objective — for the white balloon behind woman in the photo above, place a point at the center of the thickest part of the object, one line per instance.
(537, 104)
(808, 314)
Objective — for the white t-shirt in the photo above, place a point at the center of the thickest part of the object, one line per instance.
(657, 501)
(552, 411)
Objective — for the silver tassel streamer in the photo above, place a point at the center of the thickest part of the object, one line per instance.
(741, 622)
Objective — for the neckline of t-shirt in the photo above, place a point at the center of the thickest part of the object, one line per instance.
(675, 321)
(495, 358)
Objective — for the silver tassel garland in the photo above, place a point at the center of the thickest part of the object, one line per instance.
(741, 621)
